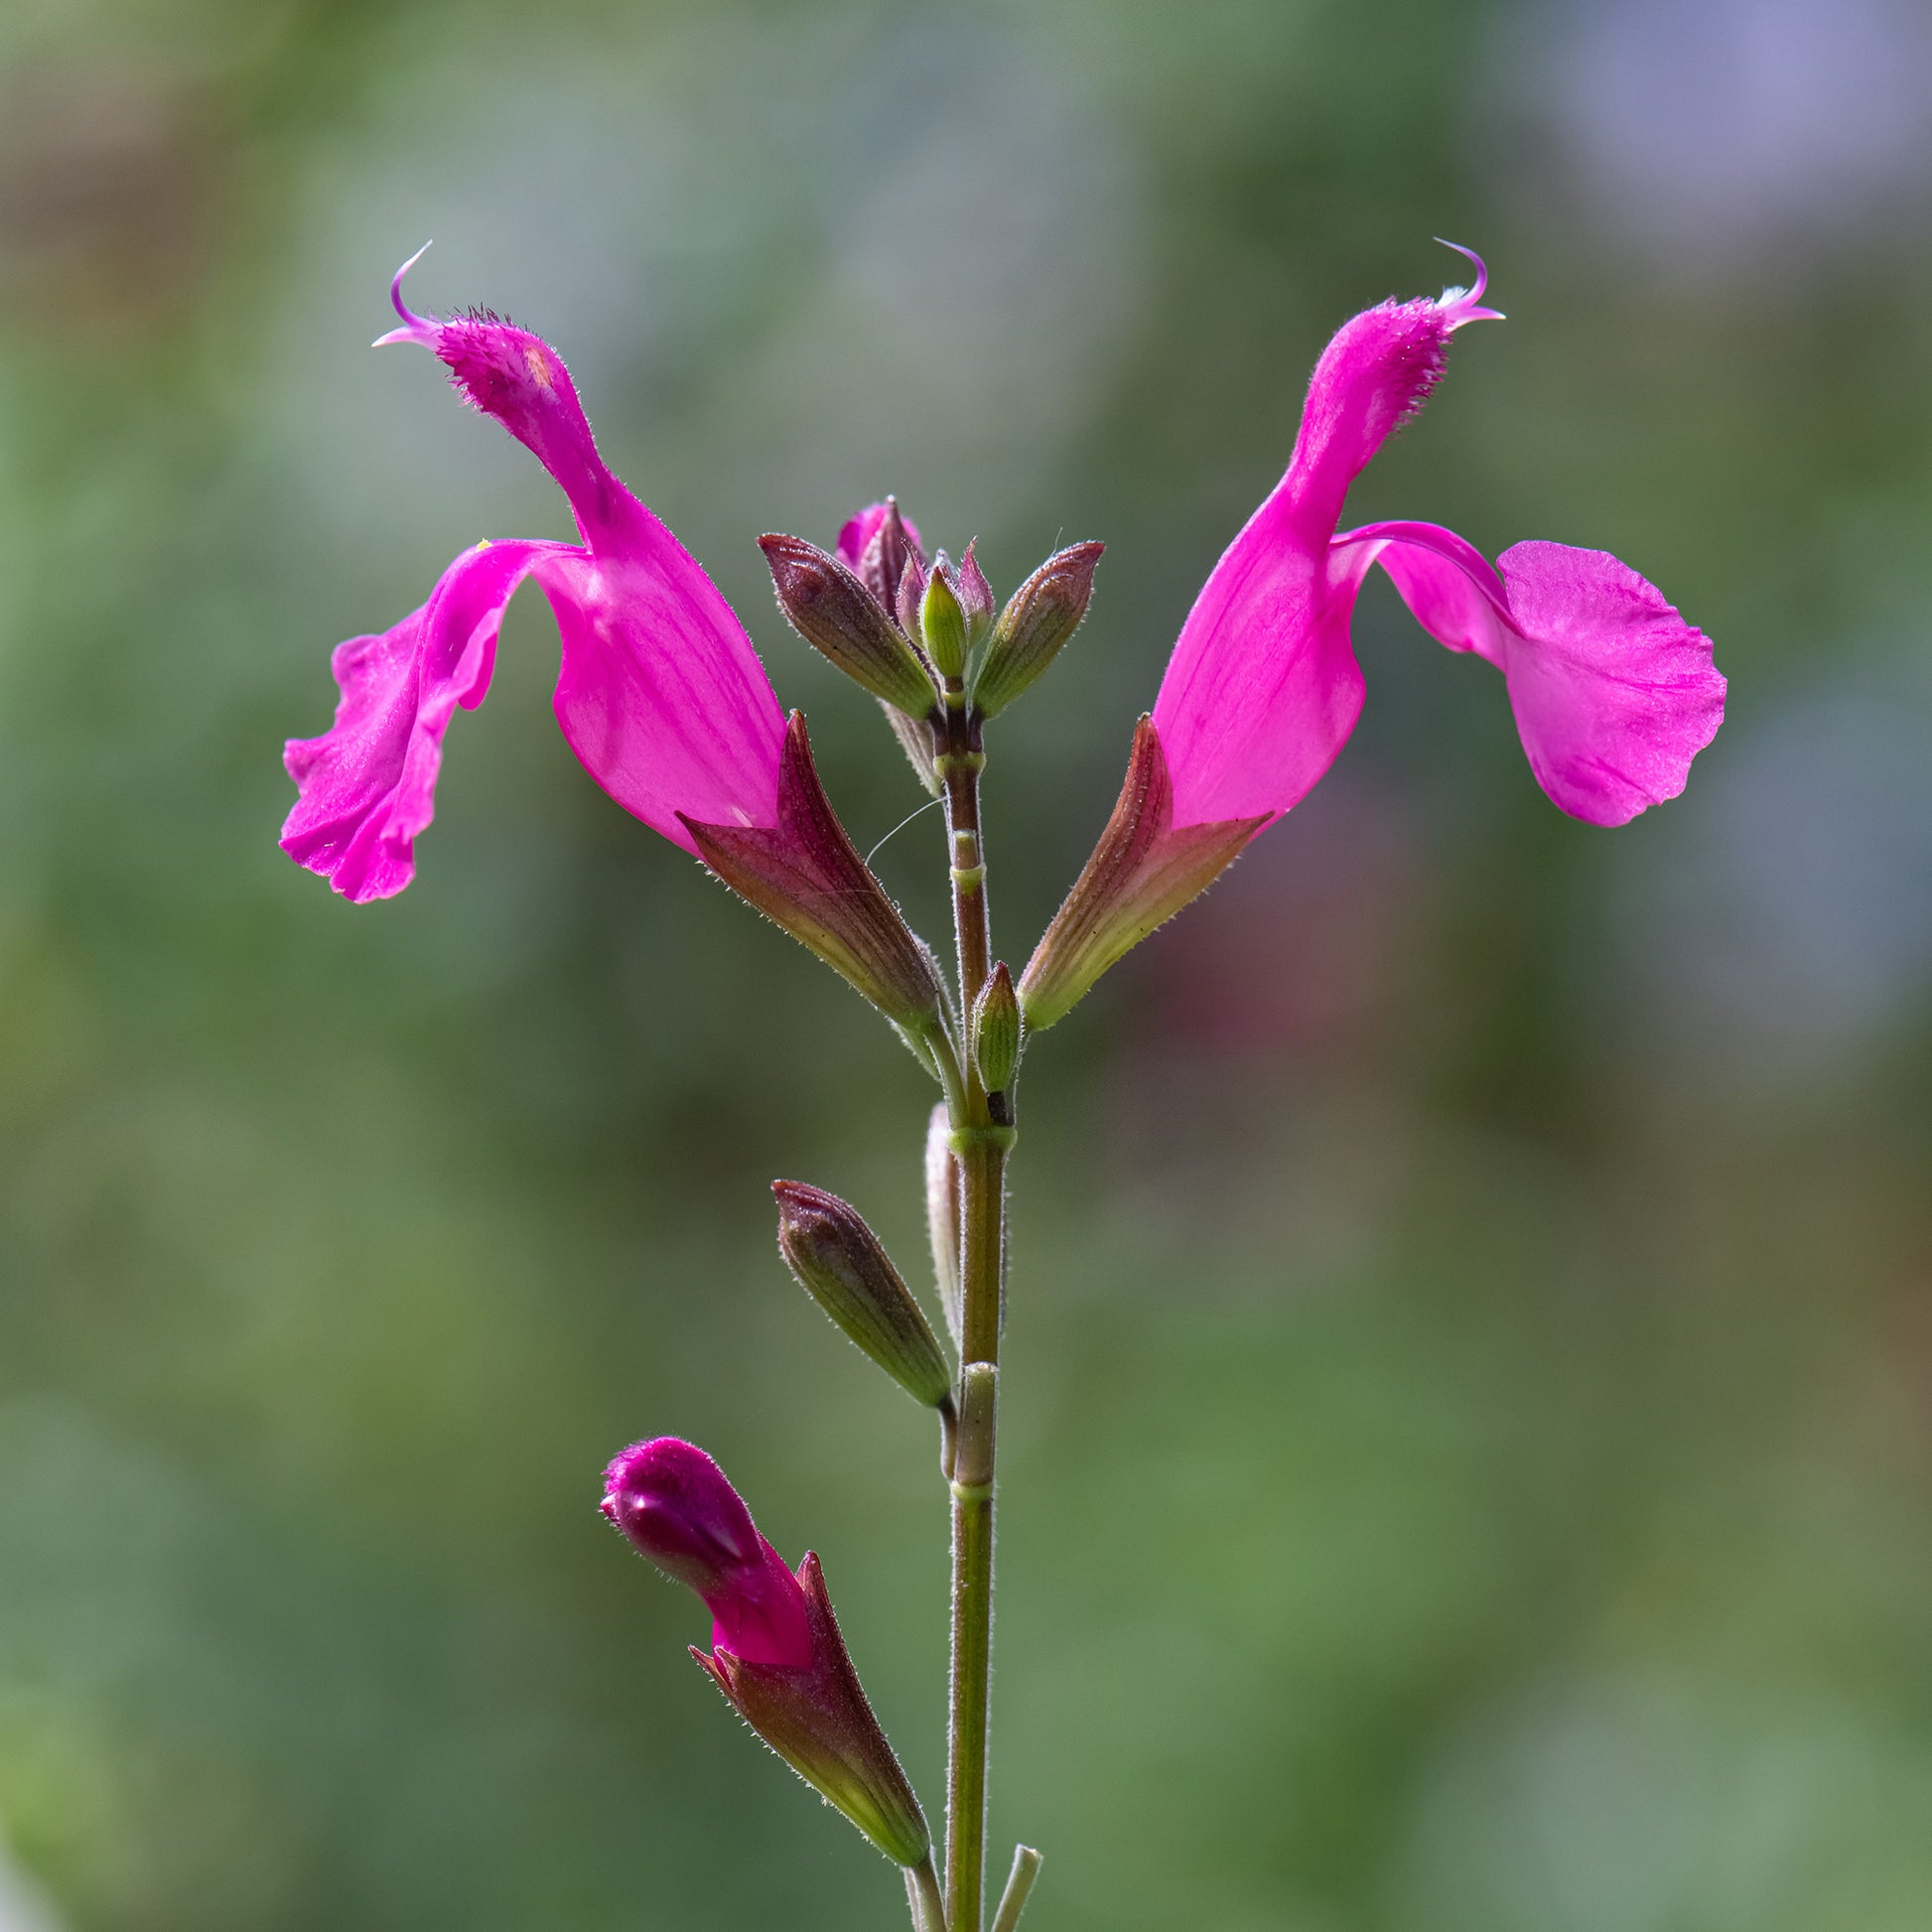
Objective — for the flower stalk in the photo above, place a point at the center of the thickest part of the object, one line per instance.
(980, 1136)
(665, 702)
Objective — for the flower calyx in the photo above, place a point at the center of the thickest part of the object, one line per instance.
(1144, 870)
(834, 612)
(996, 1030)
(817, 1719)
(942, 622)
(804, 874)
(1040, 620)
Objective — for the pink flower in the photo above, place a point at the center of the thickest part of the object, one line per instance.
(776, 1653)
(660, 694)
(1615, 693)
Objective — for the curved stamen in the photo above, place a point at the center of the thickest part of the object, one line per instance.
(415, 328)
(1465, 305)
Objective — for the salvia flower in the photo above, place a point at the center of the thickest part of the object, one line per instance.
(660, 694)
(1615, 693)
(776, 1653)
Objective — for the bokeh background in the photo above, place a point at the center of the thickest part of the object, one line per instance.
(1468, 1457)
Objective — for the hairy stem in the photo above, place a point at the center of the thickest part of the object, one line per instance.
(1025, 1868)
(922, 1894)
(982, 1134)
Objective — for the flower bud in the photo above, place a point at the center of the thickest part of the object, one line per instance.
(834, 612)
(942, 623)
(996, 1031)
(776, 1652)
(838, 1261)
(942, 1214)
(673, 1503)
(893, 544)
(1042, 614)
(976, 598)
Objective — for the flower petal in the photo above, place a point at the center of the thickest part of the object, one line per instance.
(1447, 582)
(1263, 688)
(660, 693)
(368, 783)
(1614, 692)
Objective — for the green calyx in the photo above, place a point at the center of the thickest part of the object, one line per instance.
(843, 1266)
(942, 623)
(996, 1029)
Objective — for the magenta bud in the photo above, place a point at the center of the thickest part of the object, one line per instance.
(776, 1652)
(838, 616)
(673, 1503)
(1041, 616)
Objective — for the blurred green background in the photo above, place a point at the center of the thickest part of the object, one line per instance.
(1469, 1464)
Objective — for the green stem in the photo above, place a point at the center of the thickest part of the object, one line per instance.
(982, 1135)
(922, 1892)
(1025, 1868)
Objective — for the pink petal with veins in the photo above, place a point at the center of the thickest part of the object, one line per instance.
(368, 783)
(1614, 692)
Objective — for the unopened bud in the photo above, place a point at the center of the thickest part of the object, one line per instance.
(776, 1652)
(1041, 616)
(882, 560)
(942, 623)
(839, 1262)
(673, 1503)
(976, 598)
(838, 616)
(996, 1031)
